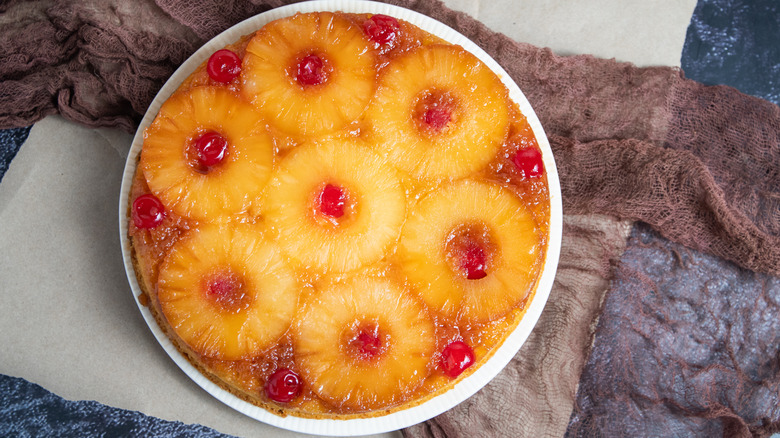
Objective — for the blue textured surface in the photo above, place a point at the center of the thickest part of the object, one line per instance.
(10, 142)
(27, 410)
(736, 43)
(687, 345)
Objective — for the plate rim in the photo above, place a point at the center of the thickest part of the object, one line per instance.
(436, 404)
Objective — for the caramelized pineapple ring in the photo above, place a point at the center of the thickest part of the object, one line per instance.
(471, 249)
(364, 344)
(188, 188)
(226, 291)
(439, 112)
(311, 73)
(335, 205)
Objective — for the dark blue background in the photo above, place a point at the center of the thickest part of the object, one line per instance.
(736, 43)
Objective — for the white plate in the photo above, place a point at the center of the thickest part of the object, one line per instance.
(469, 385)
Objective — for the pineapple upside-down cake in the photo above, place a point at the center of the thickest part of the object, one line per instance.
(339, 215)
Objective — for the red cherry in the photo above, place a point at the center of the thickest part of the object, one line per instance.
(456, 357)
(223, 66)
(529, 162)
(474, 262)
(211, 148)
(381, 29)
(310, 71)
(221, 287)
(437, 117)
(228, 291)
(369, 344)
(283, 385)
(332, 201)
(148, 211)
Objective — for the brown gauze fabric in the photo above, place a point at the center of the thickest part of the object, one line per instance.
(698, 164)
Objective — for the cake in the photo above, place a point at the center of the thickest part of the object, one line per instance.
(339, 216)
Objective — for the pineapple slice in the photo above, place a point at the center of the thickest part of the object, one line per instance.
(176, 174)
(439, 112)
(364, 343)
(311, 73)
(470, 249)
(335, 205)
(226, 291)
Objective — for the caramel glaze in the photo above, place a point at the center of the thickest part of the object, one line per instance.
(245, 378)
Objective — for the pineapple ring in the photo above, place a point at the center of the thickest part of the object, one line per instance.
(321, 337)
(423, 250)
(311, 110)
(373, 219)
(204, 324)
(231, 187)
(480, 122)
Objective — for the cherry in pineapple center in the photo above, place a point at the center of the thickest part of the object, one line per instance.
(227, 290)
(366, 341)
(331, 201)
(207, 150)
(435, 111)
(470, 250)
(312, 70)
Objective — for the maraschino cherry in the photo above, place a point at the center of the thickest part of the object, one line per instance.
(223, 66)
(437, 117)
(381, 29)
(332, 201)
(148, 211)
(474, 262)
(529, 162)
(368, 344)
(228, 291)
(211, 148)
(456, 357)
(283, 385)
(311, 71)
